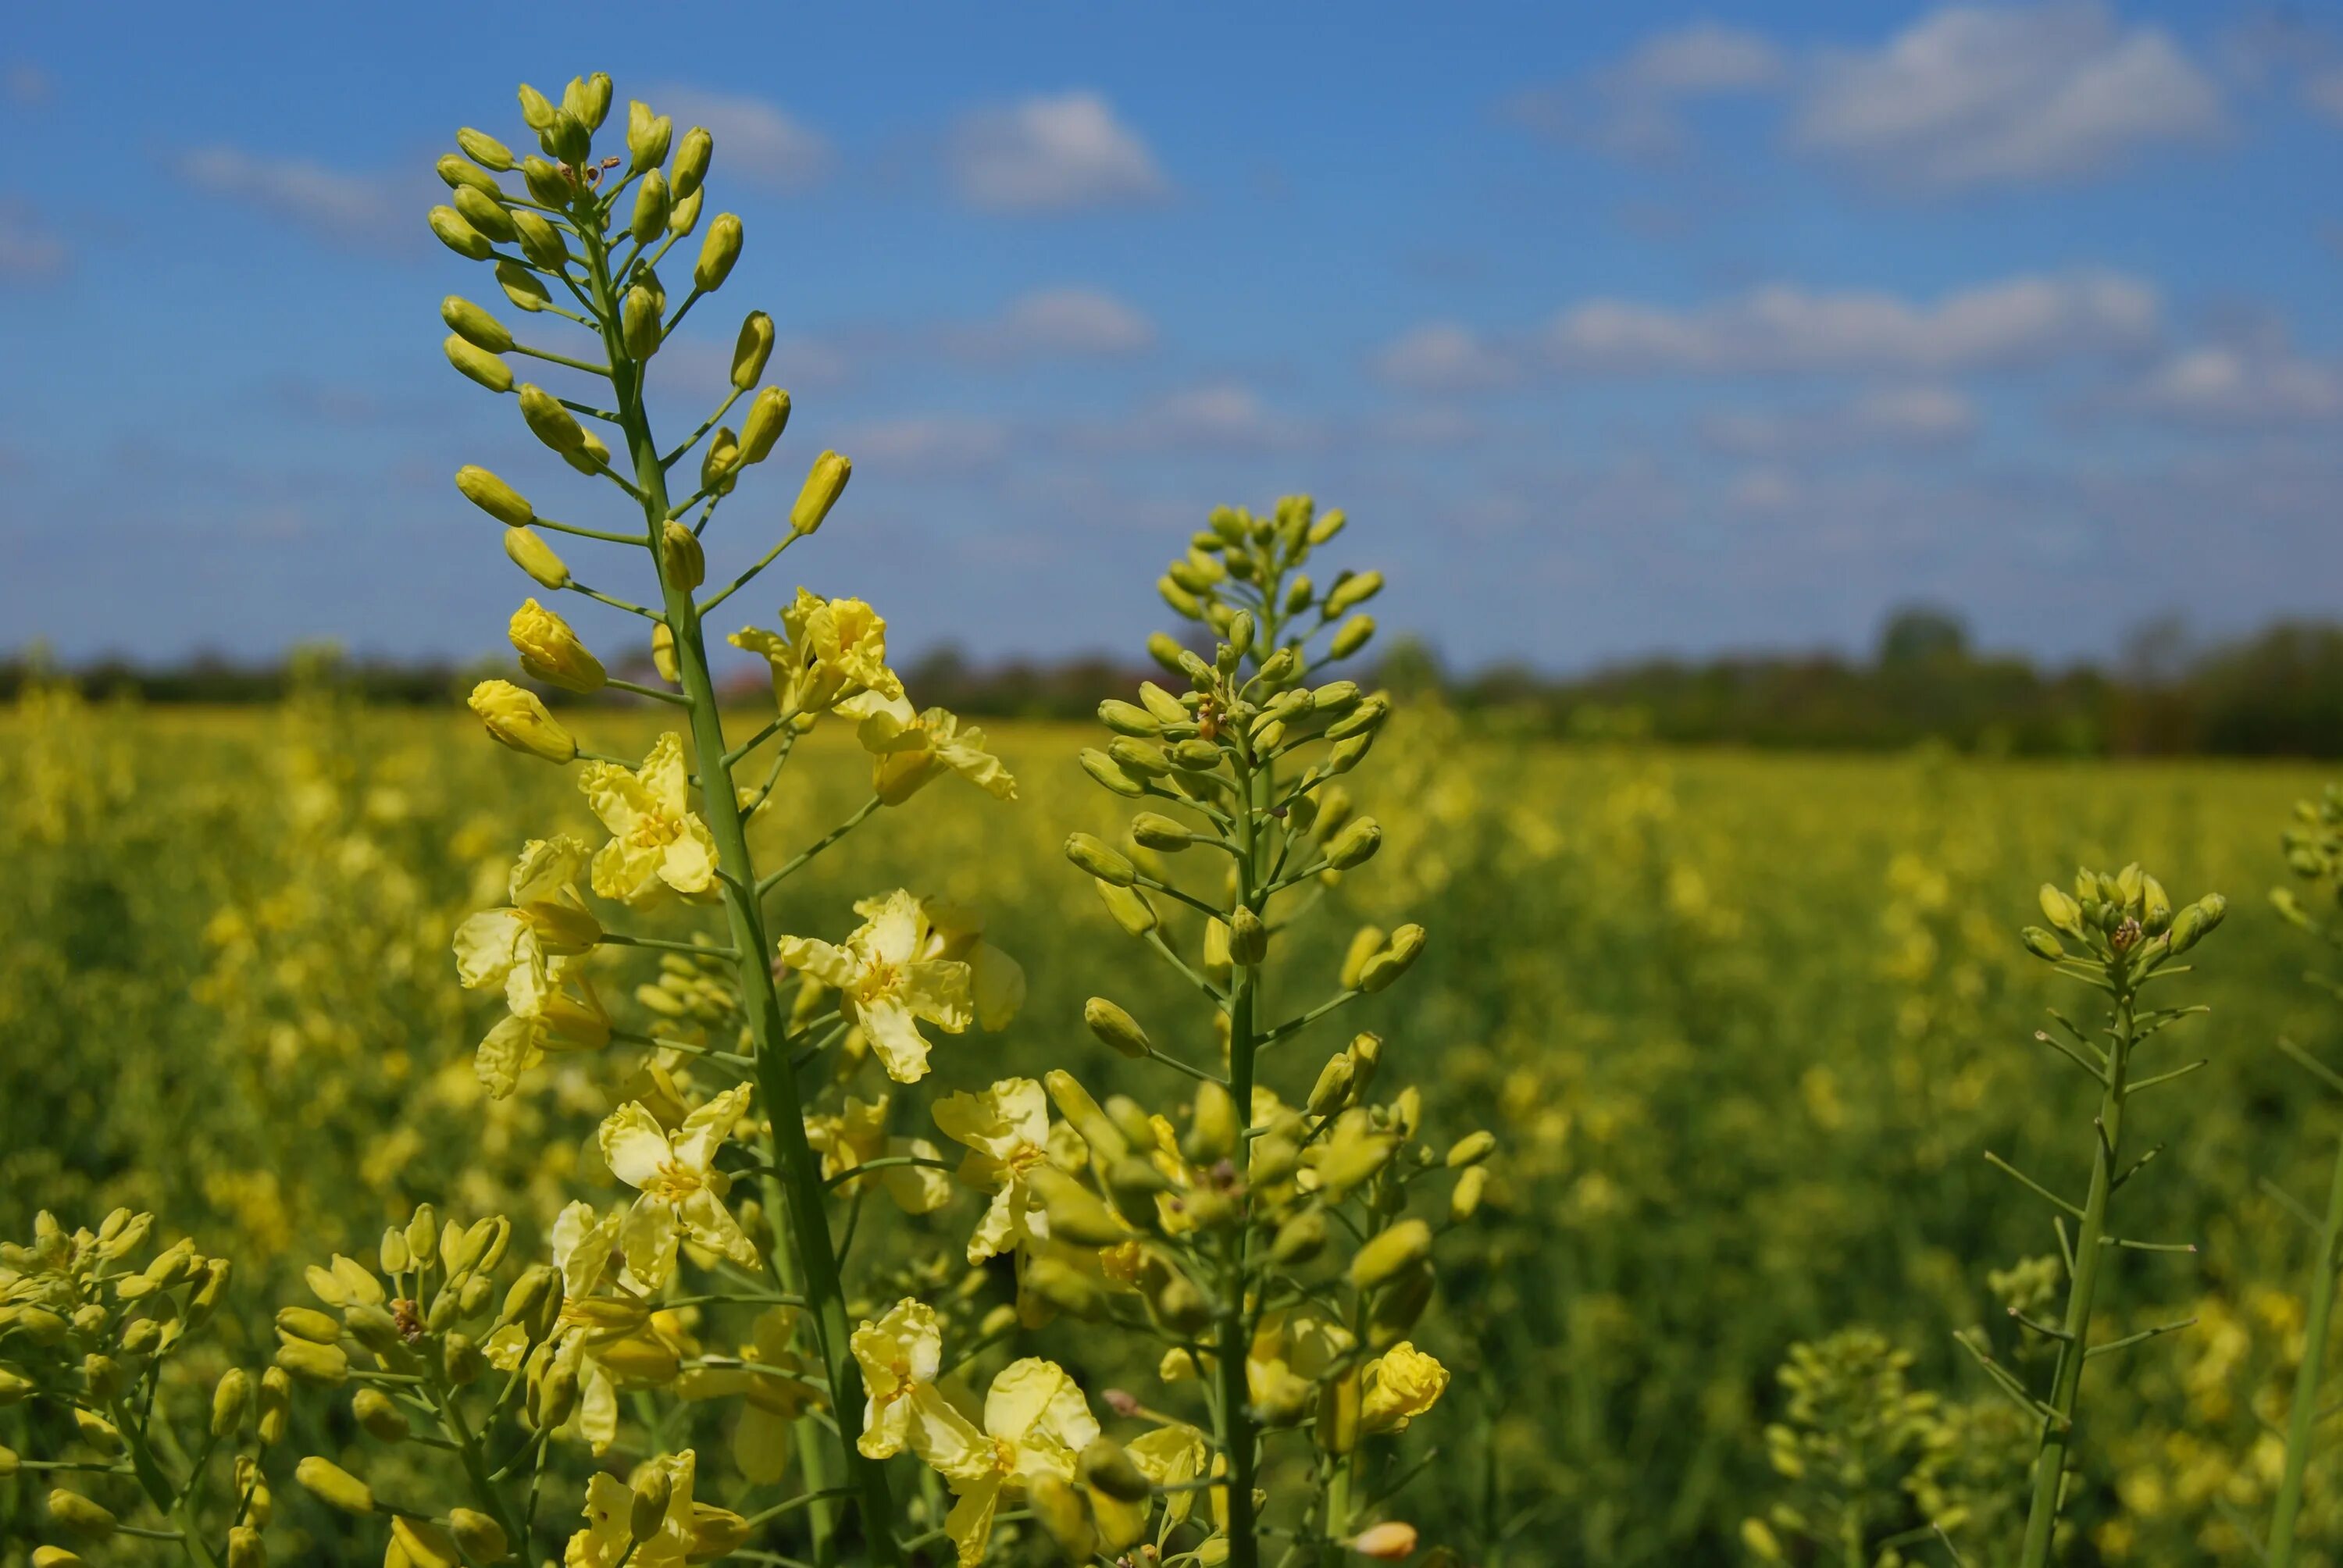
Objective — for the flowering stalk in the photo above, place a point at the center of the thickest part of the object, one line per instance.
(2127, 932)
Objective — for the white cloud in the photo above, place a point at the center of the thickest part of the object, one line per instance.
(345, 207)
(1979, 95)
(1898, 416)
(1442, 357)
(755, 137)
(1068, 320)
(1783, 328)
(937, 443)
(1634, 107)
(30, 251)
(2234, 385)
(1050, 153)
(1705, 57)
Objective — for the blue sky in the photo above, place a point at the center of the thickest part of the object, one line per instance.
(1615, 329)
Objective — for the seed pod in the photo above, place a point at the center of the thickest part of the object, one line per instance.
(751, 349)
(1086, 851)
(1383, 1259)
(1157, 831)
(691, 161)
(651, 204)
(1248, 938)
(1356, 844)
(460, 235)
(768, 416)
(1379, 972)
(1129, 718)
(481, 1537)
(323, 1365)
(478, 365)
(1351, 637)
(647, 135)
(717, 252)
(685, 562)
(640, 326)
(1076, 1214)
(330, 1484)
(308, 1323)
(530, 552)
(378, 1416)
(1107, 775)
(1129, 907)
(82, 1515)
(825, 482)
(1116, 1028)
(519, 719)
(1213, 1127)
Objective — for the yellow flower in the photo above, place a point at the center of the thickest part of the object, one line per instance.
(858, 1135)
(547, 918)
(608, 1539)
(1035, 1422)
(769, 1382)
(658, 844)
(1007, 1131)
(558, 1019)
(519, 719)
(911, 749)
(551, 652)
(682, 1192)
(1172, 1455)
(949, 931)
(828, 652)
(1402, 1384)
(886, 986)
(900, 1354)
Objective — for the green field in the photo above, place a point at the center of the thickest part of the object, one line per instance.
(1743, 1025)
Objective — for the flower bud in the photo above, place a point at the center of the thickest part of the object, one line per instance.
(1337, 1427)
(532, 554)
(721, 461)
(685, 216)
(1165, 650)
(536, 108)
(549, 184)
(82, 1515)
(378, 1416)
(1076, 1214)
(824, 484)
(485, 149)
(460, 1357)
(551, 652)
(417, 1542)
(2041, 944)
(1248, 938)
(1129, 907)
(1390, 1542)
(1279, 668)
(567, 138)
(1108, 775)
(647, 1512)
(553, 423)
(521, 286)
(2061, 911)
(1332, 1090)
(1356, 844)
(1196, 755)
(768, 416)
(231, 1396)
(751, 349)
(663, 652)
(1464, 1199)
(1213, 1128)
(519, 719)
(1086, 851)
(323, 1365)
(2156, 907)
(1379, 972)
(460, 235)
(1299, 1240)
(246, 1549)
(1383, 1259)
(14, 1388)
(1139, 759)
(479, 364)
(647, 135)
(275, 1404)
(308, 1323)
(1472, 1149)
(1366, 718)
(93, 1428)
(1129, 718)
(1082, 1114)
(1352, 592)
(652, 202)
(2190, 925)
(474, 325)
(1184, 1308)
(717, 252)
(330, 1484)
(542, 244)
(1351, 637)
(481, 1537)
(1157, 831)
(1116, 1028)
(589, 98)
(691, 161)
(682, 561)
(1104, 1465)
(493, 496)
(639, 328)
(1240, 633)
(1181, 601)
(483, 210)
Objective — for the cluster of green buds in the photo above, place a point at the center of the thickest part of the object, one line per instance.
(2117, 933)
(92, 1354)
(1269, 1240)
(1853, 1432)
(2313, 843)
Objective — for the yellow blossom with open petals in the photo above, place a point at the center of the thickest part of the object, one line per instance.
(547, 919)
(609, 1540)
(658, 844)
(912, 750)
(564, 1015)
(1171, 1456)
(899, 1354)
(954, 931)
(1036, 1422)
(1006, 1132)
(682, 1192)
(828, 652)
(858, 1135)
(885, 986)
(1401, 1386)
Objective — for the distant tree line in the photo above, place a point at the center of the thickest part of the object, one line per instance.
(2279, 692)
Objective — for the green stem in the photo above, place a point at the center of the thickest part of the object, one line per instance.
(1239, 1435)
(807, 1238)
(2059, 1434)
(2307, 1379)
